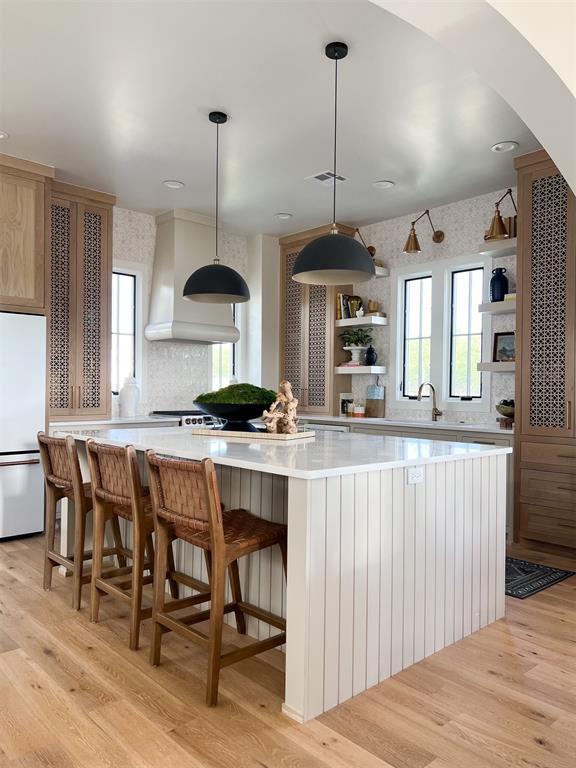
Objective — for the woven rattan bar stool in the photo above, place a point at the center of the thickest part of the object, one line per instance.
(186, 505)
(63, 479)
(118, 492)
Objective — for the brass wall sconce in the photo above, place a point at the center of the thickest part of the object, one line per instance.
(498, 229)
(412, 244)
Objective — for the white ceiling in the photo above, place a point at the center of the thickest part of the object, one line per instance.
(116, 96)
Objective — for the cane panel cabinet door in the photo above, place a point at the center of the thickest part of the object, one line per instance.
(79, 305)
(22, 218)
(546, 368)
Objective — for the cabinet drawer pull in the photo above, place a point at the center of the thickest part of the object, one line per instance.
(483, 442)
(568, 413)
(566, 525)
(567, 488)
(567, 456)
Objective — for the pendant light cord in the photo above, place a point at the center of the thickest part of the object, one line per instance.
(216, 259)
(335, 139)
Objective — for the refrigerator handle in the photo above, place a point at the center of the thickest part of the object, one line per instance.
(19, 463)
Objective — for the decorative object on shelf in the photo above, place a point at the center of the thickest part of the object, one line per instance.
(348, 306)
(498, 284)
(334, 259)
(359, 411)
(236, 405)
(498, 229)
(371, 356)
(346, 398)
(504, 347)
(281, 418)
(129, 398)
(374, 309)
(412, 243)
(506, 408)
(356, 341)
(216, 283)
(360, 312)
(510, 296)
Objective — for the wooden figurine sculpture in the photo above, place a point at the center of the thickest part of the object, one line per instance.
(281, 418)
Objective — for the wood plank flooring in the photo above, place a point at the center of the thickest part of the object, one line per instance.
(72, 694)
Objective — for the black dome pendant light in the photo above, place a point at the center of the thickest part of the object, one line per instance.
(334, 259)
(216, 283)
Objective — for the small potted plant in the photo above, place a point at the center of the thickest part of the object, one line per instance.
(356, 341)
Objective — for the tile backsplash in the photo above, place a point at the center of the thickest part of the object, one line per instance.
(173, 372)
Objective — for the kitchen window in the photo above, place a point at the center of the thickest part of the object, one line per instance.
(123, 328)
(417, 333)
(466, 333)
(225, 358)
(440, 335)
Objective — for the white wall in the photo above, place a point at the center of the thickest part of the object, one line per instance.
(464, 224)
(172, 373)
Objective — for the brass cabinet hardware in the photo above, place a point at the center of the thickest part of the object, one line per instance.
(19, 463)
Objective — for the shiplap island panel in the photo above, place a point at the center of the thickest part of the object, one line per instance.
(381, 571)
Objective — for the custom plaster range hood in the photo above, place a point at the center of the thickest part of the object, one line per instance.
(184, 242)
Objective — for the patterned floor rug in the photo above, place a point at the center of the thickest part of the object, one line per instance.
(524, 579)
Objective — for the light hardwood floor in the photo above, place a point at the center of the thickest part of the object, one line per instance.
(72, 693)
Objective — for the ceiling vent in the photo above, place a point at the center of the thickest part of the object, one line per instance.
(326, 178)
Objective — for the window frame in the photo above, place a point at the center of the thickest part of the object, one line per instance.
(405, 282)
(452, 273)
(138, 275)
(237, 319)
(441, 272)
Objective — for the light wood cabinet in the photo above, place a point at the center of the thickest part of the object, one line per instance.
(309, 346)
(546, 353)
(22, 217)
(78, 302)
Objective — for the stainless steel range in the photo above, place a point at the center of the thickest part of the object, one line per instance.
(190, 418)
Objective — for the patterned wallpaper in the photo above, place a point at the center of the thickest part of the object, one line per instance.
(463, 223)
(173, 373)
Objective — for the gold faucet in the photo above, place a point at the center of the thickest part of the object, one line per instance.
(435, 411)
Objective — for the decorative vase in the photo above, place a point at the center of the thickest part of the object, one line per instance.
(129, 397)
(371, 356)
(498, 284)
(356, 353)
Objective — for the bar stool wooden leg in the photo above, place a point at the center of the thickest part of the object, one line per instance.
(235, 588)
(51, 502)
(79, 542)
(217, 584)
(118, 544)
(174, 587)
(97, 556)
(138, 548)
(163, 547)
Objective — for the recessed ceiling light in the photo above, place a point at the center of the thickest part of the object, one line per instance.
(505, 146)
(283, 216)
(3, 135)
(383, 184)
(173, 184)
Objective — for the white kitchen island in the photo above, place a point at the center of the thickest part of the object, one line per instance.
(396, 547)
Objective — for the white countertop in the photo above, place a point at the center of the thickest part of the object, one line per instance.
(448, 426)
(328, 454)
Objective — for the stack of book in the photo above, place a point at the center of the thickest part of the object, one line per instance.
(347, 306)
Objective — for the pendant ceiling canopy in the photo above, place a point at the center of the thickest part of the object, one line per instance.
(334, 259)
(216, 283)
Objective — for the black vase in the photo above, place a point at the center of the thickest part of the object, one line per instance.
(498, 284)
(371, 356)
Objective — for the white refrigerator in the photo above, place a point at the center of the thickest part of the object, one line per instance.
(22, 415)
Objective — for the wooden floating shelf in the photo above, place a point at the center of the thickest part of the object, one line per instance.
(497, 367)
(361, 322)
(382, 271)
(356, 369)
(498, 248)
(498, 307)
